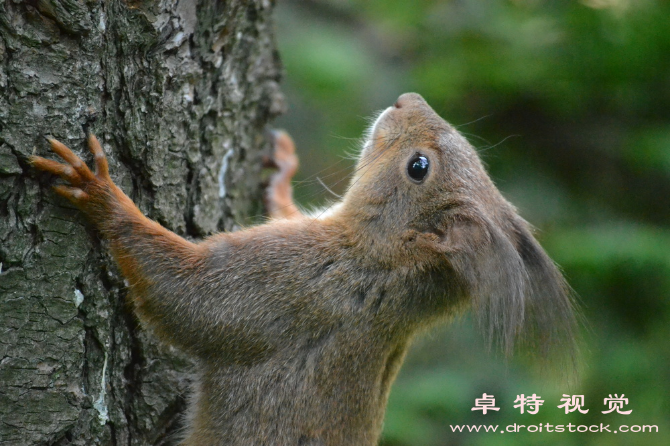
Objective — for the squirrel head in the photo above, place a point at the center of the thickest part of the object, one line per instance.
(418, 170)
(421, 198)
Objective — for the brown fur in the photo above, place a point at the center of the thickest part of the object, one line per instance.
(300, 325)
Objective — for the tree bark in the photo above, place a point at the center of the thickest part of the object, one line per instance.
(179, 93)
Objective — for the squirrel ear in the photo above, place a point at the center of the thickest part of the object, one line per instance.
(550, 322)
(494, 277)
(516, 290)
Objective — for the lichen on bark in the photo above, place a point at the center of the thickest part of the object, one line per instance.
(175, 90)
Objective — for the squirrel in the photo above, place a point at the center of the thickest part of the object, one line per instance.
(299, 325)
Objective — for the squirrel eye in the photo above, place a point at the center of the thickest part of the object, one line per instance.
(417, 168)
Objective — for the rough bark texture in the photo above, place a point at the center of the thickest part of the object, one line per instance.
(179, 93)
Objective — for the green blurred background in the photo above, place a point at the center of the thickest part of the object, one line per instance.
(568, 103)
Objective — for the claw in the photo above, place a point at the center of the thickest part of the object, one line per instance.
(62, 170)
(73, 194)
(77, 164)
(101, 167)
(269, 162)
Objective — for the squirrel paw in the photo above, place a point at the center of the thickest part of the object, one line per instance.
(279, 193)
(83, 182)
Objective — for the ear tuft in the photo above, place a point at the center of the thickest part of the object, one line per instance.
(519, 296)
(550, 323)
(494, 276)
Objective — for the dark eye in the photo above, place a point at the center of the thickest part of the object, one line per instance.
(417, 168)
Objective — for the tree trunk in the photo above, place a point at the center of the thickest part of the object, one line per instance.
(179, 93)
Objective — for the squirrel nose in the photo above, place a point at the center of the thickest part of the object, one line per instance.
(409, 99)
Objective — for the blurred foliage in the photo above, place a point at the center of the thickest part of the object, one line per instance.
(569, 105)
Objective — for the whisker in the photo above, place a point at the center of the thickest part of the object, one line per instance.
(361, 167)
(484, 149)
(328, 189)
(367, 166)
(472, 122)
